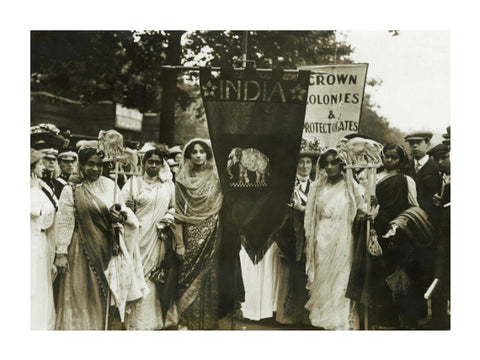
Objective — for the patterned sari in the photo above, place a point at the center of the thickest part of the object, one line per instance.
(198, 200)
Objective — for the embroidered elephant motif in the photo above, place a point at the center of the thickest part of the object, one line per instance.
(248, 160)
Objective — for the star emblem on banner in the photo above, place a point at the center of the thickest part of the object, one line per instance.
(209, 89)
(297, 93)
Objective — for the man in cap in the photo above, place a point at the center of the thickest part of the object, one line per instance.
(51, 166)
(440, 297)
(423, 170)
(66, 161)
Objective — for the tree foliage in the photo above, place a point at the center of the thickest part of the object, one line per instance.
(126, 66)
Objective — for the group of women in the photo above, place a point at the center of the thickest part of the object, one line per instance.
(151, 247)
(329, 266)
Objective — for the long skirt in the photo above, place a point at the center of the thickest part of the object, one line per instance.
(82, 294)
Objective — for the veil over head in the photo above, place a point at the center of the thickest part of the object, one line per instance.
(197, 195)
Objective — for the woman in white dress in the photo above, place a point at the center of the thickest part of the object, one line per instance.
(332, 204)
(152, 197)
(42, 214)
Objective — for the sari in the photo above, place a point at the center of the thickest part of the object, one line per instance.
(84, 231)
(329, 216)
(198, 200)
(154, 199)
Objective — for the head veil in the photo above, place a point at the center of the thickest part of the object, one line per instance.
(313, 211)
(197, 197)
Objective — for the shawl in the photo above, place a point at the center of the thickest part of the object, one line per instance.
(414, 221)
(197, 197)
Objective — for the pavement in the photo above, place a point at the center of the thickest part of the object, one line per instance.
(238, 324)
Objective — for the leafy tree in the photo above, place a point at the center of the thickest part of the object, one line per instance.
(126, 67)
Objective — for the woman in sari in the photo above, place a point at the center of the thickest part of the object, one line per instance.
(398, 286)
(42, 213)
(90, 231)
(198, 200)
(332, 204)
(152, 197)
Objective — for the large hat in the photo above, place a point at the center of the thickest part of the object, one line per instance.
(35, 155)
(50, 153)
(419, 135)
(46, 136)
(438, 150)
(67, 155)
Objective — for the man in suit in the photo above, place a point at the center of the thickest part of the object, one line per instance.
(423, 170)
(441, 295)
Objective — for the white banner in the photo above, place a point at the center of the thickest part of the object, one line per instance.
(129, 119)
(334, 103)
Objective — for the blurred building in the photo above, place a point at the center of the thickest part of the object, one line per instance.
(84, 121)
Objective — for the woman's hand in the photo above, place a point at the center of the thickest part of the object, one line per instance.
(180, 251)
(116, 215)
(131, 204)
(61, 262)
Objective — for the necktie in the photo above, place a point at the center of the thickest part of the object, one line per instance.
(417, 166)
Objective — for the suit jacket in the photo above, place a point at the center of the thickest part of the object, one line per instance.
(428, 182)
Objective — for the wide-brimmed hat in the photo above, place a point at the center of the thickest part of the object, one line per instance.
(35, 155)
(419, 135)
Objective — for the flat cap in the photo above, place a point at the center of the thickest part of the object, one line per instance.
(438, 150)
(419, 135)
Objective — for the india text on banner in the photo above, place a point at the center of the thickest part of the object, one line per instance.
(255, 121)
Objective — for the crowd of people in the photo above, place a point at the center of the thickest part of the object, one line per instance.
(148, 241)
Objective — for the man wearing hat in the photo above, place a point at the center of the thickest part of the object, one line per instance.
(66, 161)
(423, 170)
(440, 297)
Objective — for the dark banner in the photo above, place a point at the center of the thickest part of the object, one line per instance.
(255, 120)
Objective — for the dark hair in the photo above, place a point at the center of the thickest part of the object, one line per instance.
(402, 155)
(160, 153)
(322, 162)
(189, 149)
(85, 154)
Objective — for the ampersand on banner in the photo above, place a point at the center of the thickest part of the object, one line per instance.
(330, 114)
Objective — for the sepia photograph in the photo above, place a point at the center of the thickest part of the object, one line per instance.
(276, 185)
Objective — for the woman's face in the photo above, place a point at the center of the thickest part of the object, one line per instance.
(391, 160)
(304, 166)
(152, 165)
(198, 155)
(93, 168)
(332, 167)
(38, 169)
